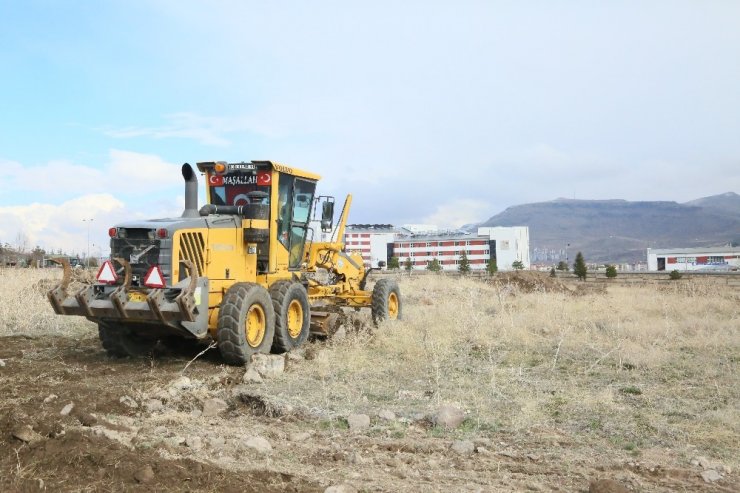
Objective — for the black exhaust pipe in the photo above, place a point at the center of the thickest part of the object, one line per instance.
(191, 191)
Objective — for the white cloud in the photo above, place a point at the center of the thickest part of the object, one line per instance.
(458, 212)
(125, 172)
(129, 186)
(207, 130)
(61, 226)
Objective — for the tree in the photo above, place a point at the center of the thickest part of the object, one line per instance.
(611, 271)
(563, 265)
(21, 242)
(37, 256)
(393, 263)
(434, 265)
(552, 272)
(408, 265)
(517, 265)
(464, 266)
(579, 267)
(491, 266)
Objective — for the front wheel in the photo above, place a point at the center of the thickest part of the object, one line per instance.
(386, 301)
(292, 315)
(246, 323)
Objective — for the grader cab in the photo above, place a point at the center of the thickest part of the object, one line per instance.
(251, 269)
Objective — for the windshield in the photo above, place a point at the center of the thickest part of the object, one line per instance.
(232, 188)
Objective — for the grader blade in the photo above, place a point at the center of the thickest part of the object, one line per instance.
(324, 323)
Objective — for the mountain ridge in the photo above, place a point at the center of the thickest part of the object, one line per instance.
(618, 230)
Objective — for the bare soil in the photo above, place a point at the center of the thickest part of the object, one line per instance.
(559, 391)
(71, 454)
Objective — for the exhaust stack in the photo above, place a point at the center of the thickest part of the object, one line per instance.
(191, 191)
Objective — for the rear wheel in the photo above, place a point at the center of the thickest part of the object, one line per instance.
(292, 315)
(120, 341)
(246, 323)
(386, 301)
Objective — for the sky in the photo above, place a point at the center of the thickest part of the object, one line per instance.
(429, 112)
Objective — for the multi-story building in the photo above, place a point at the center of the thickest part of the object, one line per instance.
(371, 241)
(379, 242)
(505, 244)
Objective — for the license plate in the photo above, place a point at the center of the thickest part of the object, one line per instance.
(136, 296)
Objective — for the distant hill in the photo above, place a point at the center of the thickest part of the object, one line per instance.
(727, 202)
(621, 231)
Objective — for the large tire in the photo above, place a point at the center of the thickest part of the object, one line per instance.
(246, 323)
(292, 315)
(119, 341)
(386, 301)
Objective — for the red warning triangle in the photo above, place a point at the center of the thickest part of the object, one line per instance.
(107, 274)
(154, 278)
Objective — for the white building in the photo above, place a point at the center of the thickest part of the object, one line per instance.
(686, 259)
(371, 241)
(505, 244)
(379, 242)
(512, 244)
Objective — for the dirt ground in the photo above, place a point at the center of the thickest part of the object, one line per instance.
(88, 449)
(545, 409)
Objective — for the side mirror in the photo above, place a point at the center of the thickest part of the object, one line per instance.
(327, 216)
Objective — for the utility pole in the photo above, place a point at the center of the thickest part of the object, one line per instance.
(87, 259)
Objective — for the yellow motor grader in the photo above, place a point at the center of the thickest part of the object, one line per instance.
(257, 269)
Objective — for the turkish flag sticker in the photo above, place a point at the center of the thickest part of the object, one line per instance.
(216, 180)
(263, 178)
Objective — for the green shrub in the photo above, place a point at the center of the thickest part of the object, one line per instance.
(675, 275)
(579, 267)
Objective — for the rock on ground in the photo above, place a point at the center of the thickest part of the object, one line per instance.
(128, 401)
(181, 383)
(387, 415)
(217, 442)
(299, 437)
(710, 476)
(258, 444)
(25, 433)
(358, 422)
(449, 417)
(251, 376)
(144, 474)
(212, 407)
(154, 405)
(67, 409)
(194, 442)
(268, 365)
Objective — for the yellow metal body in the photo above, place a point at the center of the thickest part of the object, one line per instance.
(225, 258)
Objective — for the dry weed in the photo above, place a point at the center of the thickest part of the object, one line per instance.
(636, 366)
(24, 308)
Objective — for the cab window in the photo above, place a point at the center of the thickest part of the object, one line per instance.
(295, 198)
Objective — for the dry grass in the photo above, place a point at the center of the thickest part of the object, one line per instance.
(24, 309)
(635, 367)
